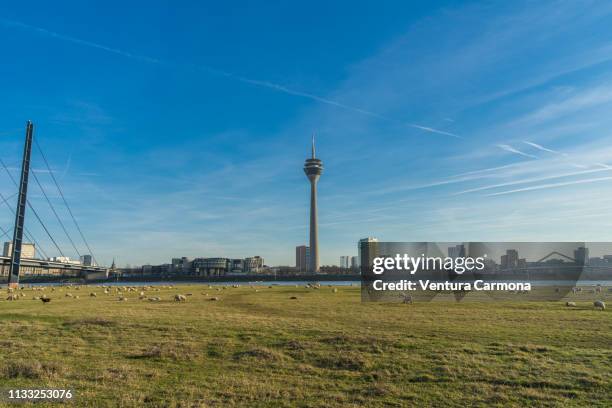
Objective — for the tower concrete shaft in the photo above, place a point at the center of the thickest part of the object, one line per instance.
(314, 228)
(313, 168)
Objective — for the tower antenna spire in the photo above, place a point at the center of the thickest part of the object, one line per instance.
(313, 146)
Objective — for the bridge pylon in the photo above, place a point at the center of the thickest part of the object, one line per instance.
(22, 200)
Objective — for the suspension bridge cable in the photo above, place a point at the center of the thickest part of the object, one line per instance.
(5, 199)
(55, 212)
(45, 228)
(4, 232)
(26, 232)
(64, 199)
(33, 210)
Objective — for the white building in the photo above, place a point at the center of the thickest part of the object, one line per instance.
(64, 259)
(28, 251)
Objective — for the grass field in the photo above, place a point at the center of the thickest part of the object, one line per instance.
(324, 348)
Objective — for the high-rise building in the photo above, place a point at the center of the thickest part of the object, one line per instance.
(302, 258)
(313, 168)
(581, 255)
(28, 250)
(354, 263)
(457, 251)
(344, 261)
(87, 260)
(368, 250)
(510, 260)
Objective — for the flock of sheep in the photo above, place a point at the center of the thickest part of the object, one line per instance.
(146, 292)
(597, 304)
(121, 292)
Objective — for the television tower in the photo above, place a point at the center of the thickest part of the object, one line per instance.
(313, 168)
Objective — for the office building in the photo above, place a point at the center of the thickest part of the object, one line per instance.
(302, 258)
(368, 250)
(345, 262)
(581, 255)
(457, 251)
(510, 260)
(87, 260)
(252, 264)
(28, 251)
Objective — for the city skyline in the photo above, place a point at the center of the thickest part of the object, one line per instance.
(183, 133)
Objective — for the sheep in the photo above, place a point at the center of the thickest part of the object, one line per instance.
(93, 294)
(154, 299)
(570, 304)
(574, 290)
(142, 293)
(335, 290)
(407, 299)
(180, 298)
(598, 289)
(214, 299)
(76, 297)
(293, 298)
(68, 295)
(122, 299)
(45, 299)
(12, 296)
(599, 304)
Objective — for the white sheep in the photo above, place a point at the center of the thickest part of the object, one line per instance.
(180, 298)
(570, 304)
(599, 304)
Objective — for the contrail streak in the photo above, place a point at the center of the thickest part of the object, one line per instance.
(511, 149)
(263, 84)
(544, 149)
(530, 180)
(551, 185)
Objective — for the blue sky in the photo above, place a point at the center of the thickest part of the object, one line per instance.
(182, 131)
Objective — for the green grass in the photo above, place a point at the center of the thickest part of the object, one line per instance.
(322, 349)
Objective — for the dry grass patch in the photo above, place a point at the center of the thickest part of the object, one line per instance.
(31, 370)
